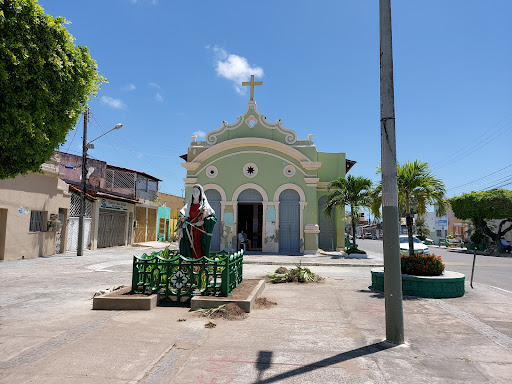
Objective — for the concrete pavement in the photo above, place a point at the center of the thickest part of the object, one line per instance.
(330, 332)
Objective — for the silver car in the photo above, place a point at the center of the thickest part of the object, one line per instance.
(419, 247)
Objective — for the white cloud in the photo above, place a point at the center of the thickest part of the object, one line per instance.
(111, 102)
(200, 134)
(155, 85)
(129, 87)
(159, 97)
(235, 68)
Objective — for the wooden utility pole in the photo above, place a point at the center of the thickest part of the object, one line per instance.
(392, 270)
(80, 245)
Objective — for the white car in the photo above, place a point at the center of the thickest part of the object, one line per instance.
(419, 247)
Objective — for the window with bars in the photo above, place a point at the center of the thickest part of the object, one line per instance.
(119, 179)
(74, 209)
(37, 220)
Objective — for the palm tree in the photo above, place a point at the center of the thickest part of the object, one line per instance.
(415, 181)
(352, 191)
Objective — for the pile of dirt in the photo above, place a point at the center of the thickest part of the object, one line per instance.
(282, 270)
(263, 302)
(229, 311)
(299, 274)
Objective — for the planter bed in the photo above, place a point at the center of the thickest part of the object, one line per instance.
(449, 284)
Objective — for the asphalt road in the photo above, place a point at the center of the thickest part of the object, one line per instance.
(489, 270)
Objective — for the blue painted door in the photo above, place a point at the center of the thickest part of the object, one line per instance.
(289, 221)
(326, 238)
(214, 199)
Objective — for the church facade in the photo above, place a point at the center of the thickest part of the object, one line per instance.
(263, 180)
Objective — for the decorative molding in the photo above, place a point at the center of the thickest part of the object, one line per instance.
(241, 188)
(322, 185)
(217, 188)
(192, 166)
(290, 136)
(251, 152)
(312, 228)
(311, 165)
(295, 187)
(190, 180)
(311, 180)
(255, 142)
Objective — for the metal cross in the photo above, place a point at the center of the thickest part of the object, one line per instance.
(252, 83)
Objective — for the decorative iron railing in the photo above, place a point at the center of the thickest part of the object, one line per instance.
(177, 279)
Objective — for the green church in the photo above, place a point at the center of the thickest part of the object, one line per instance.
(265, 182)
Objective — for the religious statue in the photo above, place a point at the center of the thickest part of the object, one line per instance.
(195, 226)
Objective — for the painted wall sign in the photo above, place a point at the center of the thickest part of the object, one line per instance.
(114, 205)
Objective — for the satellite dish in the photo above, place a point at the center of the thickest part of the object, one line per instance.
(90, 170)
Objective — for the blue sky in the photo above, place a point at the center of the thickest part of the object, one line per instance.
(174, 68)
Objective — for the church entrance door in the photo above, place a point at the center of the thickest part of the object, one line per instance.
(250, 217)
(289, 221)
(250, 221)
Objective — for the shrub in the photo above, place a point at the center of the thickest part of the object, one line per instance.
(353, 250)
(422, 265)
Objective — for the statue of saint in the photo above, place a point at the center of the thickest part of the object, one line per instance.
(195, 225)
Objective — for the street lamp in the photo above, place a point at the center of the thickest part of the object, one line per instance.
(85, 147)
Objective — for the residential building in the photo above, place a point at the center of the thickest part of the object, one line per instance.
(32, 210)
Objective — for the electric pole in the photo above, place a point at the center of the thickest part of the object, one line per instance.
(392, 270)
(80, 245)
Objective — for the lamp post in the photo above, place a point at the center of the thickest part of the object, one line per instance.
(85, 146)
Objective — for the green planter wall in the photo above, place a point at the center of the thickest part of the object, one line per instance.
(449, 284)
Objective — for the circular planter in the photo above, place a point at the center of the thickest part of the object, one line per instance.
(449, 284)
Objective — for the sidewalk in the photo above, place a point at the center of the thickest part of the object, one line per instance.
(330, 332)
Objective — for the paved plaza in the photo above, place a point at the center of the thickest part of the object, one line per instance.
(330, 332)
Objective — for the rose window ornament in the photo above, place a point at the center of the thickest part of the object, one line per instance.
(250, 170)
(289, 170)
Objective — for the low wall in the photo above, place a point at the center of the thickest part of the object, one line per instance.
(449, 284)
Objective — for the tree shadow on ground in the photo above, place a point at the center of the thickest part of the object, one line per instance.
(265, 361)
(380, 295)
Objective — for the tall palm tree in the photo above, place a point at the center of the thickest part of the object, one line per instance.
(415, 181)
(353, 191)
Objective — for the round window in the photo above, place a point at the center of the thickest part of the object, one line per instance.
(250, 170)
(289, 170)
(211, 171)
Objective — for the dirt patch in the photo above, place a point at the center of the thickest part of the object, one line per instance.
(263, 302)
(230, 311)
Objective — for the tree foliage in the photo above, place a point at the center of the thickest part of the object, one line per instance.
(480, 207)
(415, 181)
(45, 83)
(353, 191)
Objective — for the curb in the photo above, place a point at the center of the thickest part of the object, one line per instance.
(313, 264)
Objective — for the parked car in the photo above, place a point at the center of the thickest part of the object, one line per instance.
(419, 247)
(368, 235)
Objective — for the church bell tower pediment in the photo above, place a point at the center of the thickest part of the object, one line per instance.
(252, 124)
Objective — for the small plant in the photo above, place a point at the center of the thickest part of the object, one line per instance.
(422, 265)
(299, 274)
(353, 250)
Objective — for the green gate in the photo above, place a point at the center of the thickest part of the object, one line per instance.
(177, 279)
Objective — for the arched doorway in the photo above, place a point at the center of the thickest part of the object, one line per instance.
(250, 216)
(214, 199)
(289, 221)
(326, 237)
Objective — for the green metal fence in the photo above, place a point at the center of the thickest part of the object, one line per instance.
(177, 279)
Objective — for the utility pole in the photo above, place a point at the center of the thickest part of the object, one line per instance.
(392, 270)
(80, 245)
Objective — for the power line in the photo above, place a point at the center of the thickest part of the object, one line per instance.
(456, 156)
(484, 177)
